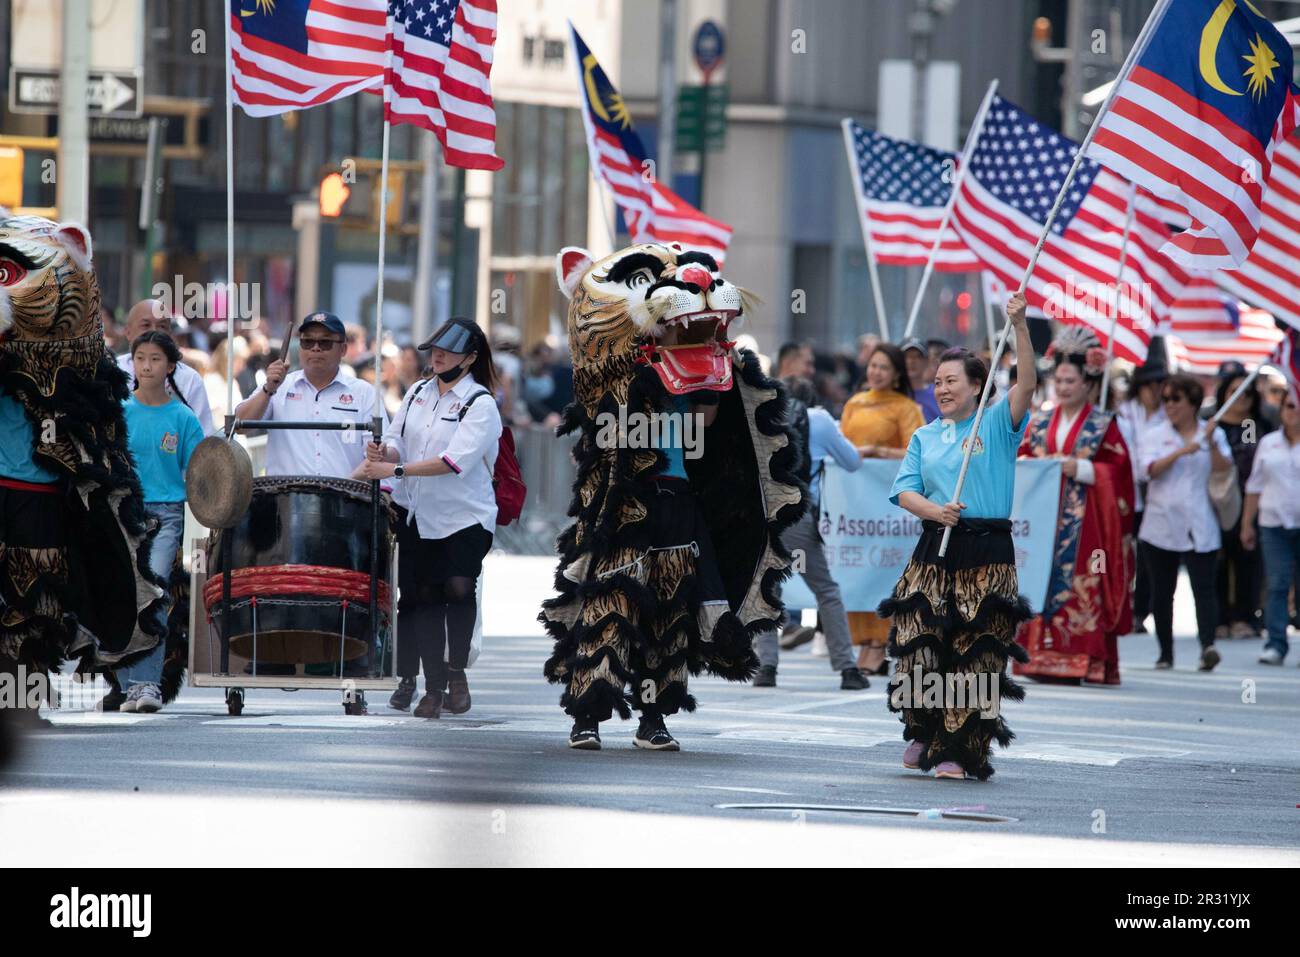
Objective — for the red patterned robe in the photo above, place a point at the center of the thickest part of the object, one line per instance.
(1088, 602)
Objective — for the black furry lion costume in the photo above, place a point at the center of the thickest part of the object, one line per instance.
(648, 327)
(76, 583)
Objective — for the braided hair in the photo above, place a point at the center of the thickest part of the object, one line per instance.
(169, 348)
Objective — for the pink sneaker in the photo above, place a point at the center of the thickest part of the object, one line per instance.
(912, 756)
(950, 769)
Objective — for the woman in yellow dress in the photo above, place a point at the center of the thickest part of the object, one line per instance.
(880, 421)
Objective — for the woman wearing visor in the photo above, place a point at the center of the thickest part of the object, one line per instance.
(442, 444)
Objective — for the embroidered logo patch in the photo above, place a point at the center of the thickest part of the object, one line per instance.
(293, 395)
(345, 399)
(979, 445)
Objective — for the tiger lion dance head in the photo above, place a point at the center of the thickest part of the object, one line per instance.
(656, 304)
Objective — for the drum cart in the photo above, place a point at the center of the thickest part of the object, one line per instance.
(284, 614)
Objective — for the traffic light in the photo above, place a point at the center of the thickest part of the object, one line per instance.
(333, 194)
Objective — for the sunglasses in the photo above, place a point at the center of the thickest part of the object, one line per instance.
(1172, 398)
(319, 345)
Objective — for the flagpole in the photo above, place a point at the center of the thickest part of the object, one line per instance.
(972, 137)
(230, 229)
(864, 220)
(1119, 279)
(1134, 54)
(379, 284)
(609, 209)
(1236, 394)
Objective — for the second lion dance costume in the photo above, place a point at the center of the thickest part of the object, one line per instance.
(663, 575)
(74, 537)
(1088, 602)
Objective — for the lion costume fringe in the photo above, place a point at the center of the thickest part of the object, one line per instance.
(645, 322)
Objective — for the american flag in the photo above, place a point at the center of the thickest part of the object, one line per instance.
(1207, 328)
(1198, 129)
(1016, 172)
(438, 78)
(903, 190)
(292, 54)
(1287, 358)
(1270, 278)
(653, 212)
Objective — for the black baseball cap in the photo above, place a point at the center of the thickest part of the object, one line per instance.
(327, 319)
(458, 335)
(915, 343)
(1232, 369)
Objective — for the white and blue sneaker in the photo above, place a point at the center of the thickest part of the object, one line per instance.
(148, 698)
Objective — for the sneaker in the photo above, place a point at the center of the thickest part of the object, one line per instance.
(851, 679)
(796, 637)
(950, 769)
(1270, 656)
(653, 736)
(585, 735)
(148, 700)
(766, 677)
(1209, 658)
(912, 756)
(132, 699)
(112, 701)
(819, 649)
(402, 697)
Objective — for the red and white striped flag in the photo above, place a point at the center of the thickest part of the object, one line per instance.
(1287, 358)
(1270, 278)
(1017, 168)
(652, 211)
(1207, 328)
(438, 78)
(292, 55)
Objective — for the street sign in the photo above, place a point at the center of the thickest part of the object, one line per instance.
(702, 117)
(108, 93)
(709, 45)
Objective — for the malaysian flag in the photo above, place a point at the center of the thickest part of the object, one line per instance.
(292, 54)
(1016, 172)
(1190, 124)
(438, 77)
(1207, 328)
(653, 212)
(1270, 278)
(903, 190)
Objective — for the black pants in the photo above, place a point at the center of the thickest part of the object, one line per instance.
(437, 604)
(1240, 581)
(1162, 569)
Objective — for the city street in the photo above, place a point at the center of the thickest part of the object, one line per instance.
(1171, 768)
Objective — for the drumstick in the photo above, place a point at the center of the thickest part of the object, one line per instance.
(284, 346)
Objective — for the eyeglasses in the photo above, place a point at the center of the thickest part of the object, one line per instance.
(319, 345)
(1171, 398)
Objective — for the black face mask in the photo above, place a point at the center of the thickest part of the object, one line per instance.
(452, 374)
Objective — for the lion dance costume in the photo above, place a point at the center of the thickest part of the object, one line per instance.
(660, 579)
(74, 573)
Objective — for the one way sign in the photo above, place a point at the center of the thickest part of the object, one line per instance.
(34, 90)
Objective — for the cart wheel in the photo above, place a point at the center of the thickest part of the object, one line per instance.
(235, 701)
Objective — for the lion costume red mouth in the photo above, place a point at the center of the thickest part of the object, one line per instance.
(692, 352)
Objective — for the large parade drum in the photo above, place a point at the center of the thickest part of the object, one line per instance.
(300, 585)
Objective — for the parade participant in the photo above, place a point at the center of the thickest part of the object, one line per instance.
(1088, 604)
(1239, 577)
(317, 391)
(1136, 417)
(645, 599)
(956, 615)
(1180, 525)
(161, 431)
(442, 445)
(818, 438)
(920, 379)
(1271, 496)
(151, 315)
(880, 422)
(74, 548)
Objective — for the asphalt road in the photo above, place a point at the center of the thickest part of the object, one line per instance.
(1170, 767)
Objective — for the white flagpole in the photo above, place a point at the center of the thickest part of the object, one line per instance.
(972, 137)
(1236, 394)
(1134, 54)
(230, 227)
(864, 220)
(379, 285)
(1119, 279)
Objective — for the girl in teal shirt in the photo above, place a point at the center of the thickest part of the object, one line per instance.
(161, 432)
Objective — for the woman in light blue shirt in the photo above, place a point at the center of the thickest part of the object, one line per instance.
(161, 432)
(955, 617)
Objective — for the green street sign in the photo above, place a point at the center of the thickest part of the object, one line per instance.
(702, 117)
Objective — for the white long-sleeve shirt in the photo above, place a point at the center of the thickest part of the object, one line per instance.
(1179, 516)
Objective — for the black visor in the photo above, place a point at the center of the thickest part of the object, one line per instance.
(458, 337)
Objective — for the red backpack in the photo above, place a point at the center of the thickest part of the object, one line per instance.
(507, 480)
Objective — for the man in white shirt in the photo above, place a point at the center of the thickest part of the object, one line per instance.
(150, 315)
(318, 391)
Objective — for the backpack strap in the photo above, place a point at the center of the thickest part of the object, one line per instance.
(465, 408)
(418, 389)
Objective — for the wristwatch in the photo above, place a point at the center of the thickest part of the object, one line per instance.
(398, 471)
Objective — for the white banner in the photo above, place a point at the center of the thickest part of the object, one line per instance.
(870, 541)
